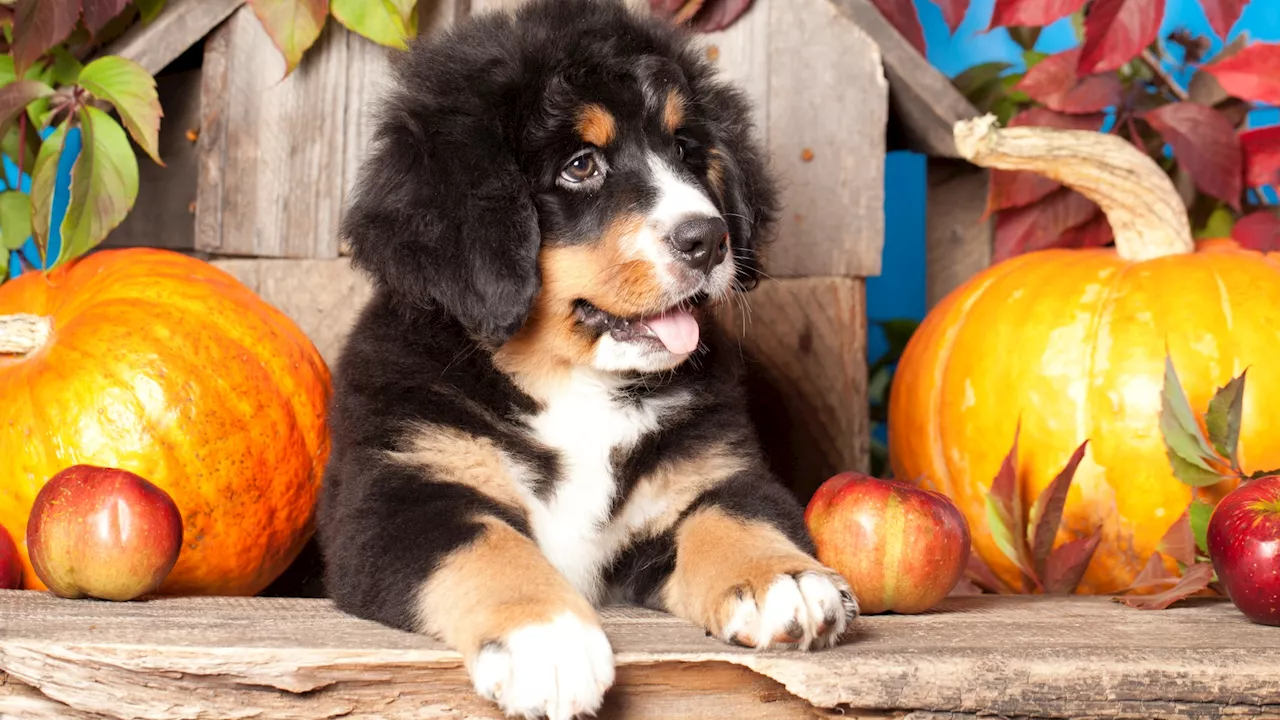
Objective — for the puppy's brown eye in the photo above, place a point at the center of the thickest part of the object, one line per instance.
(581, 168)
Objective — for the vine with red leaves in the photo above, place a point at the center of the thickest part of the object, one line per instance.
(1122, 79)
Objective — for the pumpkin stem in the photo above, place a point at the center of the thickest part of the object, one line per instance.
(23, 334)
(1142, 206)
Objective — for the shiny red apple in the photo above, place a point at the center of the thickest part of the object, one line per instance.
(103, 533)
(1244, 545)
(901, 548)
(10, 563)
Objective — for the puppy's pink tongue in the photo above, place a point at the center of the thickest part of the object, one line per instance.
(677, 329)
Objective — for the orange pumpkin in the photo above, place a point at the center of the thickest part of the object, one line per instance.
(166, 366)
(1072, 343)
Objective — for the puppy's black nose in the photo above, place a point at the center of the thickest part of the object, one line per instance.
(701, 243)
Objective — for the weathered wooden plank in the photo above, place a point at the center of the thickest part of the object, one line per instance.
(1046, 657)
(180, 25)
(924, 102)
(804, 341)
(164, 213)
(957, 237)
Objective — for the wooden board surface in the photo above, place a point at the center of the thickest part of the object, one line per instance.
(958, 239)
(180, 25)
(1048, 657)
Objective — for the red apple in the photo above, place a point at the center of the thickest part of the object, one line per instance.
(103, 533)
(1244, 544)
(10, 563)
(900, 547)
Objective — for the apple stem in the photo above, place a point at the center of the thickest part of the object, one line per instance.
(1145, 211)
(23, 334)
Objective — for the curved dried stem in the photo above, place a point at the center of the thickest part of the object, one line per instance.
(1146, 213)
(23, 334)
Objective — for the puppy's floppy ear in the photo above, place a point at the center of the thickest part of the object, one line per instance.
(441, 214)
(748, 193)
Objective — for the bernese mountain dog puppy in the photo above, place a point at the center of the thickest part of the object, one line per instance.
(535, 414)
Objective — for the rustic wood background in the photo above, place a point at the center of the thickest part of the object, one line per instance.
(1013, 657)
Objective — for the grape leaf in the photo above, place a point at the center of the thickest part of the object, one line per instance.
(1046, 514)
(1222, 14)
(132, 90)
(1194, 579)
(1259, 230)
(1205, 145)
(1250, 74)
(104, 184)
(1031, 13)
(1004, 512)
(1178, 542)
(66, 67)
(4, 265)
(1042, 224)
(149, 10)
(1222, 419)
(43, 177)
(293, 25)
(984, 577)
(405, 8)
(97, 13)
(719, 14)
(982, 84)
(1182, 436)
(39, 25)
(15, 96)
(1055, 83)
(1067, 564)
(377, 20)
(953, 12)
(1261, 148)
(1154, 574)
(903, 17)
(1094, 232)
(1198, 514)
(15, 220)
(1116, 31)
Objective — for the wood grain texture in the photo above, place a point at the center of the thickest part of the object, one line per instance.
(180, 25)
(804, 342)
(958, 240)
(923, 101)
(1046, 657)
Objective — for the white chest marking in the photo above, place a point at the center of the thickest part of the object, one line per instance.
(584, 423)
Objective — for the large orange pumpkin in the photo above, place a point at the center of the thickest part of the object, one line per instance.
(1072, 343)
(166, 366)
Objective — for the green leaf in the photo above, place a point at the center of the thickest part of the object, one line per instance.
(21, 140)
(1182, 436)
(1031, 58)
(293, 25)
(1194, 579)
(1223, 418)
(104, 184)
(1067, 564)
(7, 73)
(405, 8)
(132, 90)
(1198, 514)
(1218, 225)
(148, 10)
(15, 97)
(1001, 526)
(66, 67)
(42, 181)
(981, 83)
(377, 20)
(4, 265)
(15, 220)
(1189, 473)
(1047, 512)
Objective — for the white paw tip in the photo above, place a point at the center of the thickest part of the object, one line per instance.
(807, 611)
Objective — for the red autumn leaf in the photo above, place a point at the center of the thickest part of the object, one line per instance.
(1048, 513)
(984, 577)
(1040, 226)
(1252, 74)
(1178, 542)
(1223, 14)
(1205, 145)
(901, 14)
(1044, 117)
(1259, 231)
(1116, 31)
(1054, 82)
(1261, 150)
(952, 12)
(1068, 563)
(1194, 579)
(39, 25)
(1031, 13)
(719, 14)
(97, 13)
(1153, 575)
(1094, 232)
(1004, 513)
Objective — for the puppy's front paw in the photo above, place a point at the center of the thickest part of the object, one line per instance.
(557, 670)
(807, 610)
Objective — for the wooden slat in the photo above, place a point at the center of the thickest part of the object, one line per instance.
(180, 25)
(804, 340)
(1045, 657)
(924, 102)
(957, 238)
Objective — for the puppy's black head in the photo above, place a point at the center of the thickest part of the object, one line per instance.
(572, 174)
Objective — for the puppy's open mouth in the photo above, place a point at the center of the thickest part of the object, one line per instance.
(675, 328)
